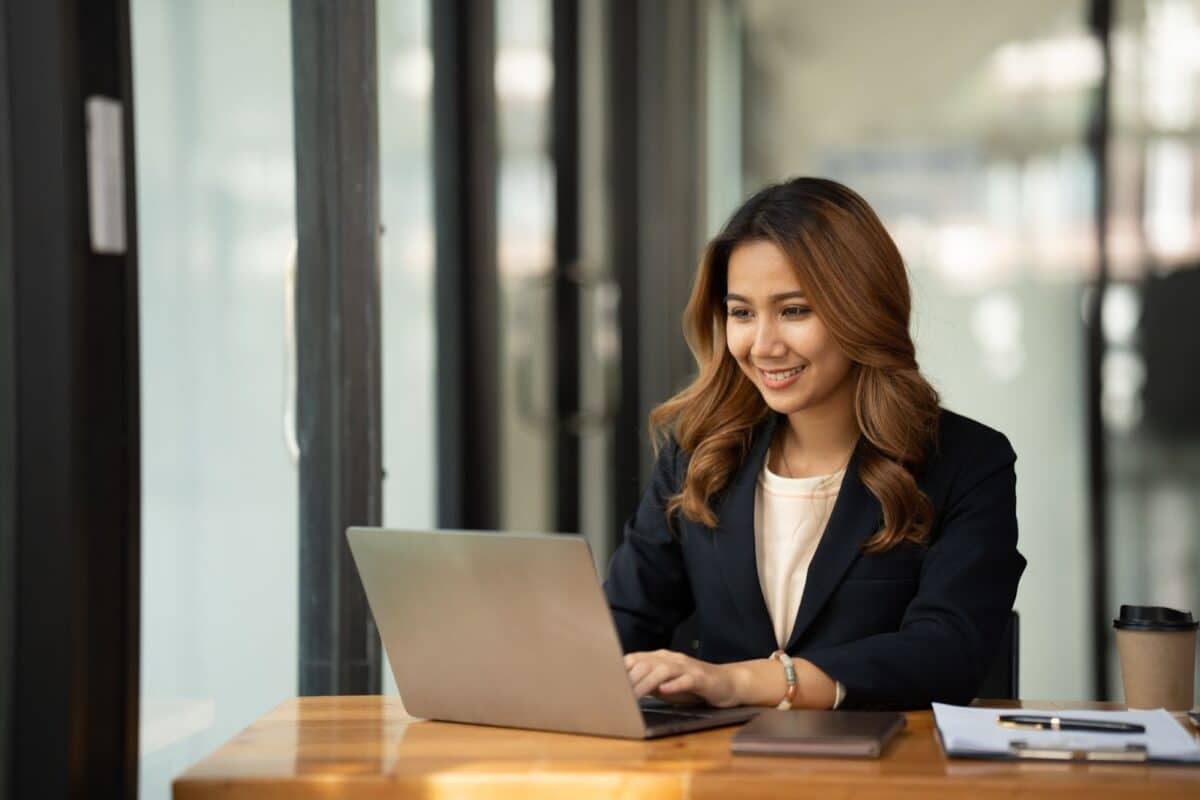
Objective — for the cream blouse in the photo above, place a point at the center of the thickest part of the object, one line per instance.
(790, 515)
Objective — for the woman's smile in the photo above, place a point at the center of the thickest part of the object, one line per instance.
(780, 378)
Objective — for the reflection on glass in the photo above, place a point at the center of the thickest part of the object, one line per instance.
(1151, 389)
(216, 226)
(524, 75)
(408, 302)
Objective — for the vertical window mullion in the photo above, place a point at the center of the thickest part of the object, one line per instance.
(337, 333)
(467, 290)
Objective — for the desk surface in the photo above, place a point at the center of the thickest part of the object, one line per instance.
(368, 747)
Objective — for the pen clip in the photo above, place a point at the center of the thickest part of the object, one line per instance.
(1128, 753)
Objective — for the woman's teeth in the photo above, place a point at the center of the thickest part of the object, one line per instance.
(784, 375)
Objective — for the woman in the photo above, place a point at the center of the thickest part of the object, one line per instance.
(840, 540)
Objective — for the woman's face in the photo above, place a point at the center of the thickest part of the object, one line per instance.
(776, 338)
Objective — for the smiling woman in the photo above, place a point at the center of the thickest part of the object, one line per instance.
(788, 352)
(811, 499)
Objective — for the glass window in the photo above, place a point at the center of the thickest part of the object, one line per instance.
(219, 489)
(1151, 390)
(408, 300)
(524, 77)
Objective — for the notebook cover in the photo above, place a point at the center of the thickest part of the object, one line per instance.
(818, 733)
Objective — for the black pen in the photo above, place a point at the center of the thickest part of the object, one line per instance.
(1044, 723)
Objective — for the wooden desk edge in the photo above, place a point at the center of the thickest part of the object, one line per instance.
(353, 744)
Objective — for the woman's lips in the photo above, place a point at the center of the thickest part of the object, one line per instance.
(780, 378)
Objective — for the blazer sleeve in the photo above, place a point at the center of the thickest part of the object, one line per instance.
(968, 582)
(647, 587)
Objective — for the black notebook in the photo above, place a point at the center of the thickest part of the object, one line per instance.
(818, 733)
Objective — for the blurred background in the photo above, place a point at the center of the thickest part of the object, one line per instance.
(548, 172)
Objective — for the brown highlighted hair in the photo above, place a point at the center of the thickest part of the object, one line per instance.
(854, 278)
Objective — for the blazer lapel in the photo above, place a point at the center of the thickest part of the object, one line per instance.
(856, 516)
(733, 542)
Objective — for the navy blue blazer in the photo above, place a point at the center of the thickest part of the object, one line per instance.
(901, 629)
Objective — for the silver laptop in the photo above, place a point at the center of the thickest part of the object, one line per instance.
(507, 629)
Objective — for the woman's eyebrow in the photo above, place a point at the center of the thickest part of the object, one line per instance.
(775, 298)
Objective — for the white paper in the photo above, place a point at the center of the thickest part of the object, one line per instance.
(973, 730)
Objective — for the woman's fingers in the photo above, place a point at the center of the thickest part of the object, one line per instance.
(651, 655)
(678, 678)
(638, 665)
(659, 672)
(647, 671)
(686, 682)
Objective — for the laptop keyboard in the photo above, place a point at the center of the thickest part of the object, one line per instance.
(653, 717)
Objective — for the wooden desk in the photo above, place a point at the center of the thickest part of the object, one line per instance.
(368, 747)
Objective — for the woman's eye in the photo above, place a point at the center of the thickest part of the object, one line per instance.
(796, 311)
(739, 313)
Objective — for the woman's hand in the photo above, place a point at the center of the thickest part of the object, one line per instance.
(677, 678)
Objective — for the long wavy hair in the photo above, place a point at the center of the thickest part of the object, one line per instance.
(855, 280)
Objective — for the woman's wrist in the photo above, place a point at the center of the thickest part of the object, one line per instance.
(741, 681)
(819, 690)
(762, 682)
(759, 682)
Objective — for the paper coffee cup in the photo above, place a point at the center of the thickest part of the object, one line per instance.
(1157, 647)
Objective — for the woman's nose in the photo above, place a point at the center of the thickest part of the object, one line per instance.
(767, 343)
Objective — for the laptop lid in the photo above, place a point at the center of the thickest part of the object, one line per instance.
(497, 629)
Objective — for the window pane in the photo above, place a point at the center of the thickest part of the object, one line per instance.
(408, 301)
(1151, 390)
(524, 80)
(216, 227)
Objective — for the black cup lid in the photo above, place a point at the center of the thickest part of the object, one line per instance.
(1154, 618)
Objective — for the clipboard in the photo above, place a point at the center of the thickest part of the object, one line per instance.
(1021, 750)
(1136, 753)
(975, 735)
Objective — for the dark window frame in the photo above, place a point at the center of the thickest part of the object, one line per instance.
(8, 428)
(654, 152)
(338, 340)
(624, 59)
(1100, 14)
(75, 413)
(467, 286)
(566, 339)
